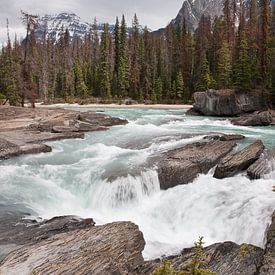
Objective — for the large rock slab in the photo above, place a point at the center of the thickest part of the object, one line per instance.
(255, 119)
(231, 164)
(268, 265)
(22, 130)
(108, 249)
(228, 102)
(263, 166)
(222, 258)
(17, 229)
(9, 149)
(182, 166)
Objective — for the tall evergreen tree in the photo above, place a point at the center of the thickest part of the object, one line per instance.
(123, 80)
(104, 70)
(242, 72)
(224, 69)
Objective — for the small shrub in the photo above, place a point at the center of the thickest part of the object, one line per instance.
(194, 267)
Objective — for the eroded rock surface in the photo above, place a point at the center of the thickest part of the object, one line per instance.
(263, 166)
(255, 119)
(22, 130)
(114, 248)
(239, 161)
(268, 265)
(223, 258)
(227, 102)
(182, 166)
(69, 245)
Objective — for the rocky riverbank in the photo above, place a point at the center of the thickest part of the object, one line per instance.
(70, 245)
(24, 130)
(248, 108)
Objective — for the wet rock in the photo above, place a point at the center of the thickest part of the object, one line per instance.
(228, 102)
(223, 258)
(233, 163)
(17, 229)
(193, 112)
(231, 137)
(35, 149)
(86, 127)
(9, 149)
(22, 130)
(99, 119)
(225, 137)
(268, 265)
(64, 129)
(182, 166)
(263, 166)
(255, 119)
(114, 248)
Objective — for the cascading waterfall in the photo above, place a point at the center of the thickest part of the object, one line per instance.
(110, 176)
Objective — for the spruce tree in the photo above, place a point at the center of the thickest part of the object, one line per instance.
(179, 86)
(242, 72)
(204, 80)
(81, 90)
(104, 73)
(123, 61)
(158, 89)
(224, 69)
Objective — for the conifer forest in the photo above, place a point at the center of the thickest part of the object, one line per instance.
(236, 50)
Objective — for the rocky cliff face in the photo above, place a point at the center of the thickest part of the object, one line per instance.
(192, 11)
(228, 102)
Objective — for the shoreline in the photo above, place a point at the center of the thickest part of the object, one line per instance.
(26, 130)
(118, 106)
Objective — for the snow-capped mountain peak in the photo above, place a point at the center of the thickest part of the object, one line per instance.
(54, 25)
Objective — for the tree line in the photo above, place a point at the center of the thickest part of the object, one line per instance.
(236, 50)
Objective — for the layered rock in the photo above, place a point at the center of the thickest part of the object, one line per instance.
(231, 164)
(182, 166)
(222, 258)
(69, 245)
(108, 249)
(268, 264)
(230, 137)
(263, 166)
(255, 119)
(22, 130)
(227, 102)
(9, 149)
(17, 230)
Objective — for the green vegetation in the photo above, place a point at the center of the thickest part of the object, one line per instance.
(194, 267)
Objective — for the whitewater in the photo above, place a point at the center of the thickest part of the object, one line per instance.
(111, 176)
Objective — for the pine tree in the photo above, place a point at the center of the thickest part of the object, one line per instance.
(134, 59)
(242, 72)
(265, 16)
(158, 89)
(204, 80)
(116, 58)
(272, 57)
(179, 86)
(123, 61)
(224, 69)
(253, 42)
(105, 86)
(81, 90)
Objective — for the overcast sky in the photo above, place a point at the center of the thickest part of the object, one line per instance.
(153, 13)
